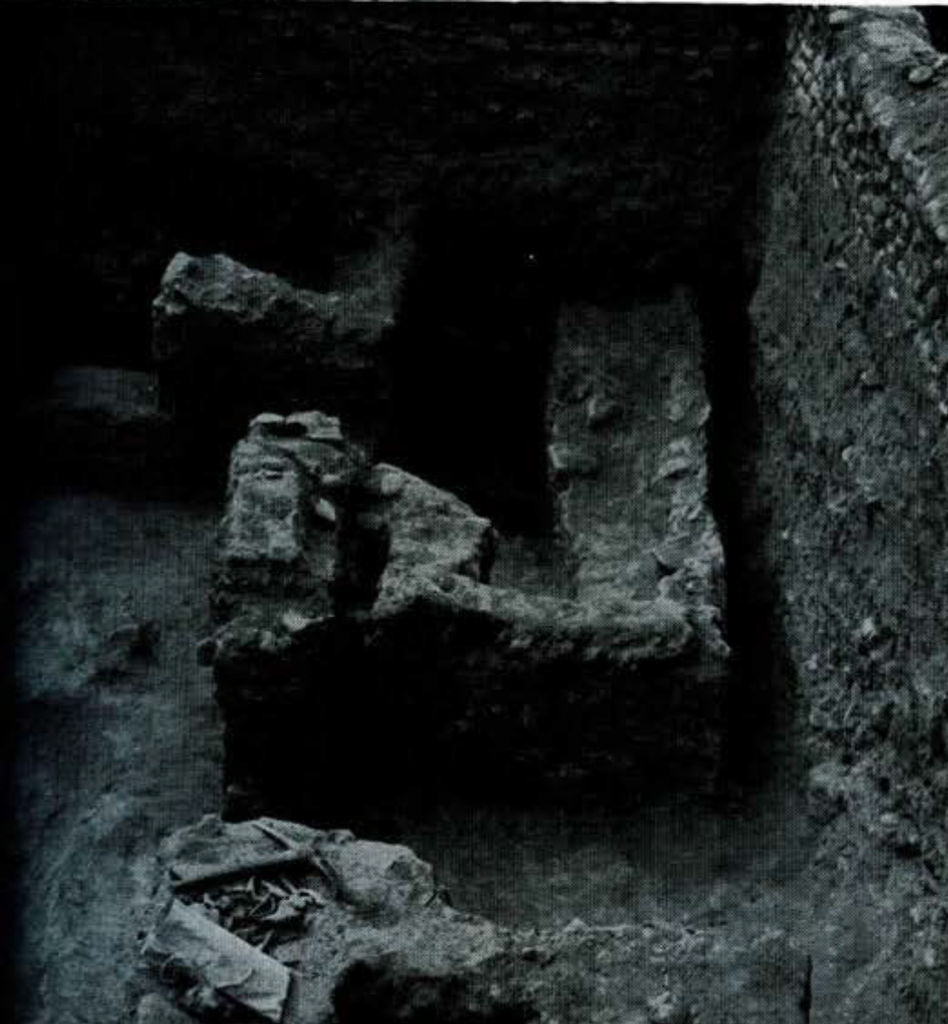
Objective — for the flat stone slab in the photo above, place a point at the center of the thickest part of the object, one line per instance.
(363, 933)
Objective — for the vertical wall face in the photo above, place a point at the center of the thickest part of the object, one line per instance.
(850, 490)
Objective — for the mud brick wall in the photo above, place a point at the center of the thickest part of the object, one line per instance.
(848, 386)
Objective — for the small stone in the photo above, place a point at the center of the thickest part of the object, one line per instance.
(867, 632)
(317, 426)
(567, 460)
(839, 18)
(871, 379)
(266, 422)
(325, 511)
(672, 468)
(921, 75)
(601, 411)
(332, 481)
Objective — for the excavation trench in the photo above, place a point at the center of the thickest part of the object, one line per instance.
(542, 786)
(613, 383)
(509, 656)
(530, 591)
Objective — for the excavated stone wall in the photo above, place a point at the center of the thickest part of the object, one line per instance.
(848, 360)
(362, 647)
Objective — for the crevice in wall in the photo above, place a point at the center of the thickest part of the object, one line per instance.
(758, 713)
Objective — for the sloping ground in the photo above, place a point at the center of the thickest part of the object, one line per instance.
(117, 739)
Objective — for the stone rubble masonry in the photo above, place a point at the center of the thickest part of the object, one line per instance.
(629, 413)
(852, 99)
(278, 535)
(847, 490)
(383, 943)
(858, 241)
(372, 626)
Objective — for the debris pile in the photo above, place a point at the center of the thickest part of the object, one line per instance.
(366, 935)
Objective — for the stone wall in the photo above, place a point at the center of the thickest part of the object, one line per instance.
(848, 491)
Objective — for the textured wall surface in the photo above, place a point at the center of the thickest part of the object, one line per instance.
(847, 379)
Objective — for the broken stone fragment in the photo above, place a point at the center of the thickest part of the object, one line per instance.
(317, 426)
(568, 460)
(430, 530)
(601, 411)
(229, 341)
(385, 944)
(208, 957)
(921, 75)
(268, 424)
(325, 511)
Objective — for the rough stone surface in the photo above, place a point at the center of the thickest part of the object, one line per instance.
(154, 1010)
(383, 944)
(848, 484)
(278, 536)
(642, 526)
(230, 341)
(381, 631)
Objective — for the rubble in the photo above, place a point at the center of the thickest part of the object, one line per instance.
(643, 526)
(320, 614)
(388, 946)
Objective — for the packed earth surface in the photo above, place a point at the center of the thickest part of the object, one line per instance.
(478, 552)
